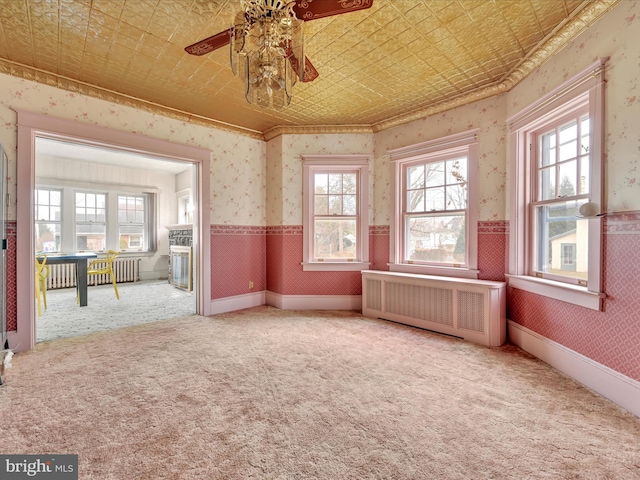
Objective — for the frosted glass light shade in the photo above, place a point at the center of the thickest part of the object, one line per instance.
(589, 209)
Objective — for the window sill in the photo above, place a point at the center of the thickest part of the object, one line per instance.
(560, 291)
(438, 271)
(334, 266)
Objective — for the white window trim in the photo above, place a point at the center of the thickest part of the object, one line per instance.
(423, 151)
(312, 163)
(589, 82)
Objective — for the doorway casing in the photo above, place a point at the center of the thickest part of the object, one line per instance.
(32, 125)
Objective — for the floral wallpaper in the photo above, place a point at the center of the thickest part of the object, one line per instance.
(293, 146)
(237, 162)
(614, 35)
(487, 115)
(274, 181)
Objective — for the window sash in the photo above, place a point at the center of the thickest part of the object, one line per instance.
(46, 208)
(338, 245)
(440, 247)
(90, 221)
(412, 250)
(132, 216)
(335, 246)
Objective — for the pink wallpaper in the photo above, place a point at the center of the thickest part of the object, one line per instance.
(379, 247)
(492, 243)
(611, 337)
(284, 257)
(12, 315)
(237, 258)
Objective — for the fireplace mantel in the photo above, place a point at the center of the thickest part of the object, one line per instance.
(180, 226)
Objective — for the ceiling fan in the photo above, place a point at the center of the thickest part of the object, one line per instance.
(267, 44)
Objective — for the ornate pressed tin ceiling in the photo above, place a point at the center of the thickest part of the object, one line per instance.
(397, 61)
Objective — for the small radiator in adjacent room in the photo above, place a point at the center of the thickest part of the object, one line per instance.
(471, 309)
(64, 275)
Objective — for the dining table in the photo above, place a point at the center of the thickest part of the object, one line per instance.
(80, 259)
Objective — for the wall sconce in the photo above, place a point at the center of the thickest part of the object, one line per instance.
(589, 210)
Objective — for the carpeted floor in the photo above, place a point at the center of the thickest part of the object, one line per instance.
(140, 302)
(270, 394)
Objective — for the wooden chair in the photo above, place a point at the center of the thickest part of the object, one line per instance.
(104, 266)
(42, 272)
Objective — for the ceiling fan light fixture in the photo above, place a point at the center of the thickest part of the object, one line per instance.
(266, 43)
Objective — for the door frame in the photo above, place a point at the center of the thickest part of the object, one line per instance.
(32, 125)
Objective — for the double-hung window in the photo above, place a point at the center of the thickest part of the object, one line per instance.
(556, 190)
(560, 174)
(91, 221)
(435, 209)
(48, 215)
(132, 222)
(335, 214)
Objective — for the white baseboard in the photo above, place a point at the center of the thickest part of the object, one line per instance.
(609, 383)
(230, 304)
(314, 302)
(149, 276)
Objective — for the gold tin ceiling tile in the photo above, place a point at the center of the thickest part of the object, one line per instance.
(398, 56)
(113, 8)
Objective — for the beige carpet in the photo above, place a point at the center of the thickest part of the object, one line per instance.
(271, 394)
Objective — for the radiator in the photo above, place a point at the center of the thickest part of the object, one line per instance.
(63, 275)
(474, 310)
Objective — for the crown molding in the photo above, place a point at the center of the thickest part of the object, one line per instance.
(549, 46)
(315, 130)
(19, 70)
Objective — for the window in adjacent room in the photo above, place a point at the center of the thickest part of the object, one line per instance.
(556, 167)
(70, 219)
(91, 221)
(48, 215)
(435, 214)
(132, 222)
(335, 216)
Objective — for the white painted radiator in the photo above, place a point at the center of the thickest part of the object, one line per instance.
(471, 309)
(63, 275)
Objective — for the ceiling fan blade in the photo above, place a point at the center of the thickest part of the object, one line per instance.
(310, 73)
(210, 44)
(314, 9)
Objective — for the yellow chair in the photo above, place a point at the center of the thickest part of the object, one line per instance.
(42, 272)
(104, 266)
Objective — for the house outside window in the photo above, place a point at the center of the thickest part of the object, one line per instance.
(556, 167)
(335, 212)
(434, 226)
(48, 217)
